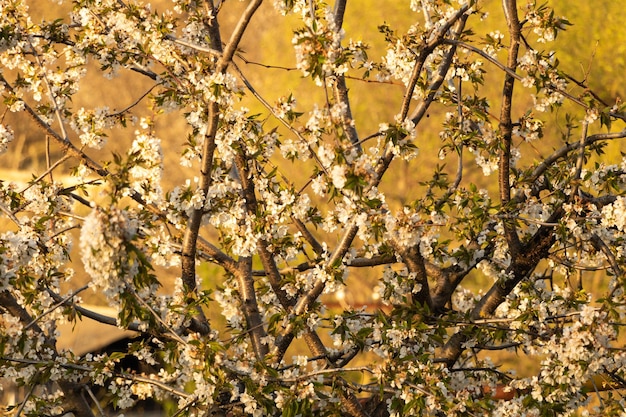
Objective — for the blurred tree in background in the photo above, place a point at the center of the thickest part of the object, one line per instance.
(301, 208)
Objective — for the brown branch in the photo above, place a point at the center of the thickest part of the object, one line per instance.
(250, 305)
(340, 88)
(274, 275)
(9, 304)
(189, 245)
(212, 253)
(412, 258)
(317, 348)
(563, 151)
(456, 23)
(190, 238)
(235, 38)
(308, 236)
(309, 298)
(188, 268)
(601, 246)
(530, 254)
(506, 125)
(353, 263)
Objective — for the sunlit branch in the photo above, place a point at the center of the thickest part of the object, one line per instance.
(53, 99)
(168, 329)
(195, 47)
(518, 77)
(9, 304)
(547, 162)
(244, 275)
(274, 275)
(341, 96)
(355, 262)
(262, 65)
(578, 267)
(532, 252)
(504, 346)
(308, 236)
(94, 400)
(250, 308)
(425, 10)
(316, 347)
(10, 215)
(410, 89)
(211, 253)
(309, 298)
(457, 23)
(237, 34)
(100, 318)
(506, 125)
(136, 102)
(191, 234)
(46, 172)
(414, 262)
(57, 305)
(288, 69)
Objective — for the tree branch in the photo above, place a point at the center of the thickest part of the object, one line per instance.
(563, 151)
(531, 253)
(412, 258)
(250, 304)
(506, 125)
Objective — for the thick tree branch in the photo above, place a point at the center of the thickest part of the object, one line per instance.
(340, 89)
(190, 238)
(235, 38)
(250, 306)
(412, 258)
(531, 253)
(318, 349)
(506, 124)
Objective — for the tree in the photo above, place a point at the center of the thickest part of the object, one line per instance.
(226, 261)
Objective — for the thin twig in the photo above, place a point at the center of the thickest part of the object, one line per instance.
(136, 102)
(193, 46)
(55, 306)
(48, 171)
(57, 110)
(94, 399)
